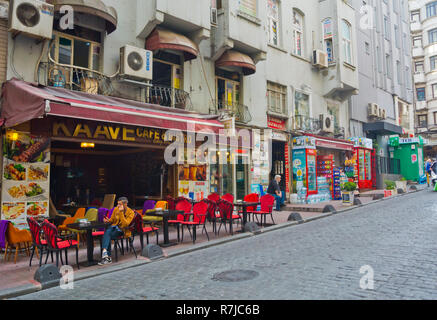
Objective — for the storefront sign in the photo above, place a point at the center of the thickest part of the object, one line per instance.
(408, 140)
(229, 126)
(279, 136)
(304, 142)
(25, 177)
(275, 123)
(362, 142)
(110, 132)
(413, 158)
(334, 145)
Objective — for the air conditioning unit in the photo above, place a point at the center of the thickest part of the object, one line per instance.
(136, 63)
(214, 16)
(31, 17)
(373, 110)
(320, 59)
(327, 123)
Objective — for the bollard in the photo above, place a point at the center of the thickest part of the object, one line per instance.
(294, 216)
(329, 208)
(357, 202)
(48, 275)
(252, 227)
(152, 251)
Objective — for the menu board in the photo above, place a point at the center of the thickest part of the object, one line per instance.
(25, 177)
(193, 181)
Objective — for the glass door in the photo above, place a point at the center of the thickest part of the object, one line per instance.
(361, 167)
(368, 165)
(242, 168)
(312, 177)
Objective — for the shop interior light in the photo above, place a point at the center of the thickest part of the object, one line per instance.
(87, 145)
(14, 136)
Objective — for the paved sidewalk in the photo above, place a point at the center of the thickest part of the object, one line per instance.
(17, 278)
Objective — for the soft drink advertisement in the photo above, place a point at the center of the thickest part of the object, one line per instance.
(299, 165)
(26, 177)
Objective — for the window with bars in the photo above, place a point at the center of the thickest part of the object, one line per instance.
(276, 98)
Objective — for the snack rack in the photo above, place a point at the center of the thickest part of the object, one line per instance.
(336, 188)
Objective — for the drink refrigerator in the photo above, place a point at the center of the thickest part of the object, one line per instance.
(364, 167)
(305, 169)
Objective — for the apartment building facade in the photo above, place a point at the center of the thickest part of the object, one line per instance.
(384, 105)
(423, 17)
(253, 61)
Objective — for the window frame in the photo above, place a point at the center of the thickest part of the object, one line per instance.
(298, 30)
(271, 19)
(432, 32)
(431, 9)
(420, 122)
(421, 89)
(347, 43)
(280, 94)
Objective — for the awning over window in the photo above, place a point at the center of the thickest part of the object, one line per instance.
(232, 58)
(161, 39)
(23, 101)
(91, 7)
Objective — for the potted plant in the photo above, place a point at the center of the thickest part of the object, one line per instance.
(402, 184)
(390, 188)
(347, 193)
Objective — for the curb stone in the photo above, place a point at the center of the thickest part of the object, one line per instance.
(32, 288)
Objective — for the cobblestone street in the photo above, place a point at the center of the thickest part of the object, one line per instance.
(316, 260)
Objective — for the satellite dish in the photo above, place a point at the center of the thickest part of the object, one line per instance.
(28, 14)
(135, 61)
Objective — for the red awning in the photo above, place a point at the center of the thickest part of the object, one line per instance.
(24, 101)
(164, 39)
(232, 58)
(332, 143)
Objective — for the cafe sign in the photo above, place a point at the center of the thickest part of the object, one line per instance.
(91, 130)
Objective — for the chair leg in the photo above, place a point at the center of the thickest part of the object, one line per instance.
(57, 259)
(17, 246)
(31, 256)
(115, 249)
(131, 243)
(204, 228)
(66, 257)
(6, 251)
(47, 257)
(77, 258)
(40, 256)
(271, 215)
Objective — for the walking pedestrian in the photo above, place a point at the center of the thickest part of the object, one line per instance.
(428, 164)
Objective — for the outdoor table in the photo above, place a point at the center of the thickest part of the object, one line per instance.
(244, 205)
(166, 215)
(89, 227)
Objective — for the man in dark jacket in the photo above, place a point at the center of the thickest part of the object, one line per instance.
(275, 191)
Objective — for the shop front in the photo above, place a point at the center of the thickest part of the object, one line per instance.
(318, 167)
(361, 167)
(409, 151)
(84, 149)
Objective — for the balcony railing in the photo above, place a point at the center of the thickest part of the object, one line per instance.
(237, 110)
(307, 124)
(90, 81)
(339, 132)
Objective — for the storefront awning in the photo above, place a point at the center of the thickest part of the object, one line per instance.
(332, 143)
(92, 7)
(232, 58)
(165, 39)
(23, 101)
(382, 128)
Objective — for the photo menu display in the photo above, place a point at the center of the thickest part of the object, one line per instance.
(25, 177)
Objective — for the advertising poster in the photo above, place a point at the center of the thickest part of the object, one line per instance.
(25, 177)
(193, 181)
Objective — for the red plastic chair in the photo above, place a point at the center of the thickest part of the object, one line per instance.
(226, 210)
(212, 214)
(267, 202)
(252, 197)
(37, 243)
(214, 197)
(228, 197)
(200, 211)
(141, 230)
(56, 243)
(185, 206)
(171, 203)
